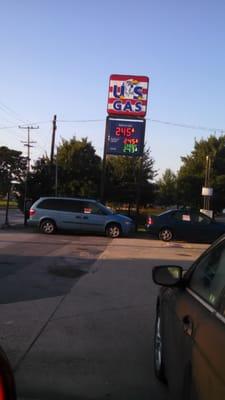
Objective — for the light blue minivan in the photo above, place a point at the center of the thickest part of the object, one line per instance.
(83, 215)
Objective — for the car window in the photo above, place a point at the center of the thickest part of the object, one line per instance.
(222, 306)
(208, 278)
(70, 205)
(93, 208)
(200, 218)
(49, 204)
(182, 216)
(167, 212)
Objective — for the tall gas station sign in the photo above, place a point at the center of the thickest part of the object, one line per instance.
(127, 107)
(125, 124)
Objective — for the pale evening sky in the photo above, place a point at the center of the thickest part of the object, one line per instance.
(57, 56)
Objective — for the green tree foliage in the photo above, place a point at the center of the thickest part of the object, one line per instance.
(12, 167)
(79, 174)
(42, 179)
(79, 168)
(167, 188)
(79, 171)
(40, 182)
(123, 174)
(191, 174)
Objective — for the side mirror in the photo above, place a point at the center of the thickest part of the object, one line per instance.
(167, 275)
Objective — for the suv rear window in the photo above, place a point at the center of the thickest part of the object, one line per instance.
(60, 205)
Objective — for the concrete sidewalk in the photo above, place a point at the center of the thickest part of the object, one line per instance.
(96, 342)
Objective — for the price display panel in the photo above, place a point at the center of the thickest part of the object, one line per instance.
(125, 137)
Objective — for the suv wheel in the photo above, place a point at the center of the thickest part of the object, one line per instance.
(48, 227)
(158, 349)
(113, 231)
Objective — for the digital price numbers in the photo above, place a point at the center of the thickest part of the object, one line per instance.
(125, 137)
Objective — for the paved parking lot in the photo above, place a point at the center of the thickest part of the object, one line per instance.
(77, 313)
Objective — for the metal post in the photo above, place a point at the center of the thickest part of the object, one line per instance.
(6, 223)
(102, 188)
(138, 192)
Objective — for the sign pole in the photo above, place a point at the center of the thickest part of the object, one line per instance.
(102, 187)
(138, 192)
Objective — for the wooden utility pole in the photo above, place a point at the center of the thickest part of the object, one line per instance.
(54, 127)
(27, 144)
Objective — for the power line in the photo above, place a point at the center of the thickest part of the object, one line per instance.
(202, 128)
(33, 123)
(9, 110)
(80, 120)
(175, 124)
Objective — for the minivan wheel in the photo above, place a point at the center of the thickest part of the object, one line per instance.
(166, 234)
(48, 227)
(158, 350)
(113, 231)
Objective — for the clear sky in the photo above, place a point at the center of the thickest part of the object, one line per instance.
(56, 58)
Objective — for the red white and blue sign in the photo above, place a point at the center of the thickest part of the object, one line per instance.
(128, 95)
(125, 137)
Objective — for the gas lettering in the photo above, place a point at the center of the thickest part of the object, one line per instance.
(127, 106)
(117, 105)
(138, 106)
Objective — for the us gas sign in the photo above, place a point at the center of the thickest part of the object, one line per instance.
(128, 95)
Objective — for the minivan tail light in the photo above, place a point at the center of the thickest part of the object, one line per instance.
(32, 212)
(150, 221)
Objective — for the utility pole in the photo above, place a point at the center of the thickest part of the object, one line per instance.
(54, 127)
(54, 168)
(27, 144)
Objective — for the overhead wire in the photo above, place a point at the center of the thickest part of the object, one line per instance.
(176, 124)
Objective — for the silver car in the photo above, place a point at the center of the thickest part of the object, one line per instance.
(83, 215)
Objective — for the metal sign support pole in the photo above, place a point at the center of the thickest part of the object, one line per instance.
(138, 191)
(102, 187)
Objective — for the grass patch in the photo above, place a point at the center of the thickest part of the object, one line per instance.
(12, 204)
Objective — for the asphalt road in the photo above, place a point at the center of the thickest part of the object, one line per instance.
(78, 329)
(33, 266)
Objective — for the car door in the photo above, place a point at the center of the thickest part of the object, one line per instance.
(93, 217)
(204, 229)
(68, 214)
(181, 225)
(195, 332)
(206, 286)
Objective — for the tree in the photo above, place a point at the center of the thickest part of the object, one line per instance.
(167, 188)
(79, 168)
(12, 167)
(123, 174)
(191, 174)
